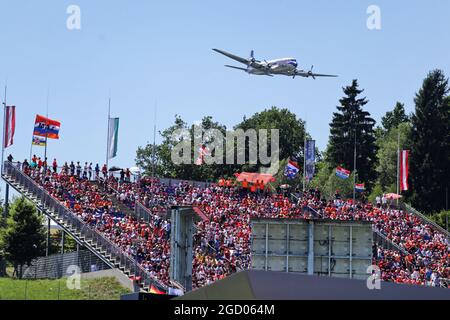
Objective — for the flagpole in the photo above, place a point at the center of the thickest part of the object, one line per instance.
(154, 143)
(31, 147)
(354, 169)
(46, 130)
(304, 164)
(4, 125)
(107, 135)
(398, 161)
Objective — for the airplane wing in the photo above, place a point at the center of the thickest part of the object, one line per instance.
(243, 69)
(307, 74)
(232, 56)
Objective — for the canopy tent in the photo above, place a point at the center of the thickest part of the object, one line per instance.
(135, 171)
(252, 177)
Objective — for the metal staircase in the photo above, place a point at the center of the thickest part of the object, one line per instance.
(83, 234)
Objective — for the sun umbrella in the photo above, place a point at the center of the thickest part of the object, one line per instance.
(135, 171)
(393, 196)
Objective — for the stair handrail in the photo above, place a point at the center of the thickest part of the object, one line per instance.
(410, 209)
(138, 206)
(47, 199)
(381, 239)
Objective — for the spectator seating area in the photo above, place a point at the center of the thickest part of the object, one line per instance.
(222, 242)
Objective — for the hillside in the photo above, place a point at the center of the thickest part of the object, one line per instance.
(91, 289)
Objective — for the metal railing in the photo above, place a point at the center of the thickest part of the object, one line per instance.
(407, 208)
(175, 182)
(72, 220)
(142, 212)
(56, 265)
(444, 282)
(384, 242)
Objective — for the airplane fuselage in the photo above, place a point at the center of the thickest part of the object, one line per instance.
(277, 66)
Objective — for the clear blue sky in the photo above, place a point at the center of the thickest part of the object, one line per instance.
(147, 51)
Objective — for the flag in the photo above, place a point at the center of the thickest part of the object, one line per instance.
(310, 155)
(291, 169)
(342, 173)
(404, 170)
(359, 187)
(46, 127)
(202, 152)
(10, 125)
(38, 141)
(113, 135)
(155, 290)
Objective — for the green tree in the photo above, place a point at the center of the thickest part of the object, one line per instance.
(2, 252)
(70, 244)
(349, 125)
(430, 157)
(165, 167)
(395, 117)
(328, 183)
(291, 134)
(442, 218)
(387, 155)
(24, 237)
(291, 131)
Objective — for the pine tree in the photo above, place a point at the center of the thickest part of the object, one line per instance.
(393, 118)
(349, 125)
(429, 160)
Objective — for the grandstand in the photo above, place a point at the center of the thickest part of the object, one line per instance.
(125, 225)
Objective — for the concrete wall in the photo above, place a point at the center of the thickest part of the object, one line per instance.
(321, 247)
(110, 273)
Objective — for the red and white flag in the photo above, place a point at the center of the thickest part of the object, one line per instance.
(404, 169)
(10, 125)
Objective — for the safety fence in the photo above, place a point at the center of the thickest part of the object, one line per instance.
(60, 265)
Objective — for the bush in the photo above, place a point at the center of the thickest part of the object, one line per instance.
(441, 218)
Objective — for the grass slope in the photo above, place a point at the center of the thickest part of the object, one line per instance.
(90, 289)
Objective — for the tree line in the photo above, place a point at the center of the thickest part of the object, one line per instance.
(425, 132)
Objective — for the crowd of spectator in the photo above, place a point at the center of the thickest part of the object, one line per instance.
(428, 251)
(222, 241)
